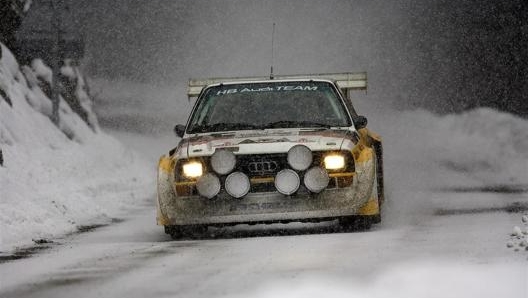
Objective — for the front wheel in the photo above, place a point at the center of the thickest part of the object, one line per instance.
(187, 231)
(378, 187)
(356, 223)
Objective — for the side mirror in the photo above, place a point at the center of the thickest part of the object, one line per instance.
(179, 130)
(360, 122)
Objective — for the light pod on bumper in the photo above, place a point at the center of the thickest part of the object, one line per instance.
(300, 157)
(208, 185)
(237, 184)
(223, 162)
(316, 179)
(287, 182)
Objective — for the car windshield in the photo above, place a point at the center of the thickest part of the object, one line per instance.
(305, 104)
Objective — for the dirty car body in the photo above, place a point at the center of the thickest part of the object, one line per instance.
(265, 151)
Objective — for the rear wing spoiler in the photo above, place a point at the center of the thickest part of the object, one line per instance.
(345, 81)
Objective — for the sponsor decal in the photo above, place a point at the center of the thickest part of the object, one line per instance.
(225, 144)
(249, 141)
(266, 134)
(267, 89)
(263, 137)
(327, 133)
(206, 139)
(284, 205)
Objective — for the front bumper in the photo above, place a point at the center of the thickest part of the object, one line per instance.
(264, 207)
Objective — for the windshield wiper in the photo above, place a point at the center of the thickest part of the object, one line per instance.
(292, 124)
(223, 127)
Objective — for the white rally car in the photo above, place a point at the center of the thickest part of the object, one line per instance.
(259, 150)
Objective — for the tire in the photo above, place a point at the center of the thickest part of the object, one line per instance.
(376, 188)
(378, 184)
(186, 232)
(379, 173)
(173, 231)
(355, 223)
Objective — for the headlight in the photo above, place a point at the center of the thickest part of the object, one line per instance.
(192, 169)
(334, 162)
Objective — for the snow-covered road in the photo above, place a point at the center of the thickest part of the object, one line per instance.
(460, 255)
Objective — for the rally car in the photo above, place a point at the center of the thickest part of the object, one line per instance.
(268, 150)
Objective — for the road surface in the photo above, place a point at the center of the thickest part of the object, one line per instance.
(430, 252)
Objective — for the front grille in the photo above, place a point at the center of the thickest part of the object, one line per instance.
(261, 165)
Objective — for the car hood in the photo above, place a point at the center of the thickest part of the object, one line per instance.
(267, 141)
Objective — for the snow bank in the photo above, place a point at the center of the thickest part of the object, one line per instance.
(490, 145)
(41, 70)
(519, 237)
(478, 148)
(430, 158)
(56, 180)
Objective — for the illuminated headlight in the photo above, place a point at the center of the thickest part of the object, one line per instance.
(287, 182)
(334, 162)
(223, 161)
(192, 169)
(299, 157)
(316, 179)
(208, 185)
(237, 184)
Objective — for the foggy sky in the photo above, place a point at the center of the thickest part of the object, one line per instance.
(411, 49)
(170, 40)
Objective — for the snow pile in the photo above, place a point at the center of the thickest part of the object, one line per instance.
(429, 159)
(519, 236)
(56, 180)
(489, 145)
(41, 70)
(76, 93)
(478, 148)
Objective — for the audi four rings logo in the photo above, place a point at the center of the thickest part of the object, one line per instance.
(262, 166)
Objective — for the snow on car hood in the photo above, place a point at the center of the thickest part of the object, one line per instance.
(267, 141)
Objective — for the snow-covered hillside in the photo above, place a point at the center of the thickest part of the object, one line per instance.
(54, 181)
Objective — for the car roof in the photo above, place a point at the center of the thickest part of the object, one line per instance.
(268, 81)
